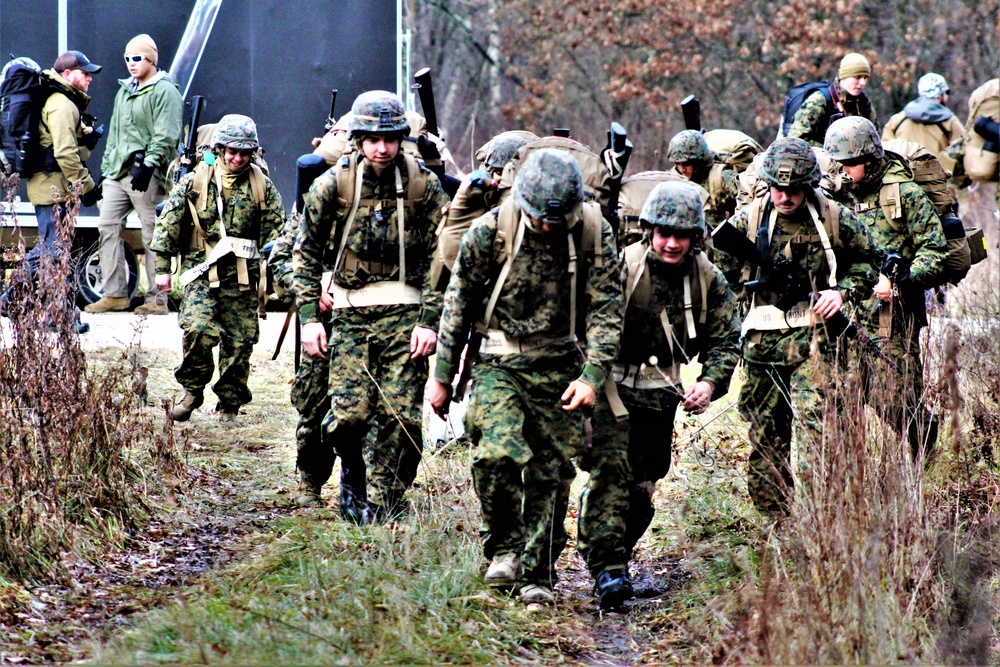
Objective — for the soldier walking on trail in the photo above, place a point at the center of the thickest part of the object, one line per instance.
(926, 120)
(694, 159)
(678, 305)
(143, 135)
(910, 229)
(310, 390)
(846, 97)
(787, 354)
(377, 214)
(216, 219)
(548, 267)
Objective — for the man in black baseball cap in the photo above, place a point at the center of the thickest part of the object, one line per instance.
(75, 60)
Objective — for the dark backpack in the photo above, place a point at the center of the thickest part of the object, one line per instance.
(23, 92)
(797, 95)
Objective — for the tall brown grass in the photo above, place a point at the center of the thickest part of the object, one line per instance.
(69, 431)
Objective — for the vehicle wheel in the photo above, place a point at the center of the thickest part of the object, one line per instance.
(90, 282)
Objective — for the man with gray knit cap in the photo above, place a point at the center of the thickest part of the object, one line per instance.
(926, 120)
(844, 97)
(142, 140)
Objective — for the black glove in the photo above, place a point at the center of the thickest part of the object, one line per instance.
(93, 196)
(989, 130)
(142, 174)
(429, 152)
(90, 140)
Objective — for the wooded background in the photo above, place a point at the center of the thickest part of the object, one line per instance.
(540, 64)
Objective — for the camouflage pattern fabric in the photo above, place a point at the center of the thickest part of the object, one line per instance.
(235, 131)
(920, 239)
(549, 186)
(811, 119)
(674, 205)
(521, 466)
(853, 138)
(373, 383)
(524, 439)
(628, 458)
(226, 317)
(782, 387)
(784, 404)
(206, 314)
(310, 390)
(790, 162)
(721, 200)
(690, 146)
(377, 111)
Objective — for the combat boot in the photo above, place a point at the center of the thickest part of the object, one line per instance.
(229, 418)
(504, 571)
(108, 304)
(614, 588)
(191, 402)
(308, 495)
(152, 308)
(354, 506)
(537, 594)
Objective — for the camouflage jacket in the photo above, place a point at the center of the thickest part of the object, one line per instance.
(717, 343)
(856, 253)
(721, 194)
(534, 301)
(812, 118)
(280, 259)
(373, 241)
(172, 233)
(918, 236)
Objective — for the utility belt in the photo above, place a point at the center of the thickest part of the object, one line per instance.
(387, 293)
(645, 377)
(497, 342)
(242, 249)
(352, 265)
(772, 318)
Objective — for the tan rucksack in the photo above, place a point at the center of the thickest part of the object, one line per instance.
(635, 190)
(735, 148)
(981, 164)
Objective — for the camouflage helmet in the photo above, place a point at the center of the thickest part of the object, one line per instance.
(690, 146)
(377, 112)
(502, 149)
(853, 138)
(549, 186)
(236, 131)
(790, 162)
(675, 205)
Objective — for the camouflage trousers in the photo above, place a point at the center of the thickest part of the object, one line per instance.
(898, 398)
(225, 317)
(311, 398)
(374, 385)
(784, 405)
(625, 460)
(522, 463)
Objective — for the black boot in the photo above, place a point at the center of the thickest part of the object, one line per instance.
(354, 505)
(614, 588)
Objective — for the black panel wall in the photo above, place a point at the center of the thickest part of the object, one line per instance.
(273, 60)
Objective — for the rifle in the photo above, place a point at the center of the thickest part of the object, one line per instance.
(615, 157)
(331, 120)
(792, 285)
(691, 108)
(425, 90)
(476, 338)
(189, 151)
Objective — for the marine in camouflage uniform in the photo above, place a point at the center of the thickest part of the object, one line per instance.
(812, 118)
(310, 390)
(385, 312)
(218, 307)
(531, 382)
(629, 456)
(694, 159)
(897, 310)
(784, 389)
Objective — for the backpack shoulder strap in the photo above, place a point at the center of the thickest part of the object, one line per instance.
(830, 213)
(638, 285)
(257, 187)
(593, 223)
(510, 233)
(755, 213)
(716, 183)
(705, 276)
(891, 204)
(416, 178)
